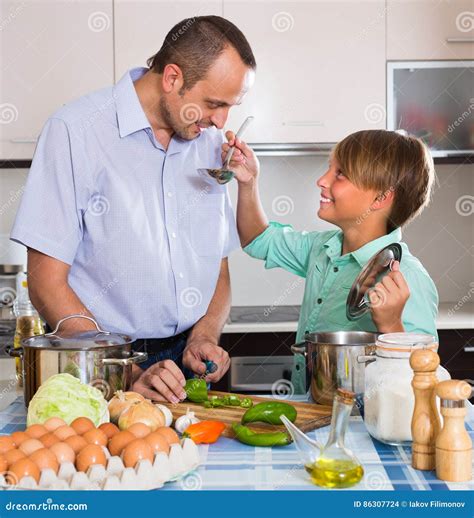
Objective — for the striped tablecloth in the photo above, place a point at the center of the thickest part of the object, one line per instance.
(227, 464)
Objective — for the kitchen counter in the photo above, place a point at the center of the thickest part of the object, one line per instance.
(227, 464)
(284, 319)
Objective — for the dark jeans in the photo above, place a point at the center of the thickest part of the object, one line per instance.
(159, 349)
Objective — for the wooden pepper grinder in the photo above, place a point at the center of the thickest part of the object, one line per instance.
(453, 444)
(425, 423)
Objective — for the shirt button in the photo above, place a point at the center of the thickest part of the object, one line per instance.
(181, 275)
(319, 301)
(336, 269)
(173, 234)
(170, 194)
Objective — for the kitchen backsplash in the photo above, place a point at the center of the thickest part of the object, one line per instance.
(441, 237)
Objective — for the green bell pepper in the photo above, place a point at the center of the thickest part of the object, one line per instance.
(270, 439)
(269, 412)
(196, 390)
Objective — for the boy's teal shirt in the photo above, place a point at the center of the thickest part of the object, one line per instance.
(316, 256)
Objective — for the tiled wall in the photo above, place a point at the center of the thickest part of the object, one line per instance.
(442, 237)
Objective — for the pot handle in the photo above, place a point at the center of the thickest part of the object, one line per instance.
(77, 316)
(300, 348)
(14, 352)
(137, 357)
(366, 358)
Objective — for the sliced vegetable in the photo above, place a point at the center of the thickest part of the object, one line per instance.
(204, 432)
(270, 439)
(269, 412)
(196, 390)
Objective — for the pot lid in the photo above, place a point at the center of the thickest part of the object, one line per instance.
(378, 266)
(77, 341)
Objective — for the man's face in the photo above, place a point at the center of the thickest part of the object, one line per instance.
(208, 102)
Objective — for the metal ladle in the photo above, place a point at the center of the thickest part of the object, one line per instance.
(224, 174)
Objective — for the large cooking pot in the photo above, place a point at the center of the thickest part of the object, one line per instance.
(99, 358)
(336, 360)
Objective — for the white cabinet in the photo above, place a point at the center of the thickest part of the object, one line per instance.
(141, 27)
(427, 30)
(320, 68)
(51, 53)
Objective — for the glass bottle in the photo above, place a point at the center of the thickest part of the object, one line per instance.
(334, 465)
(28, 321)
(337, 466)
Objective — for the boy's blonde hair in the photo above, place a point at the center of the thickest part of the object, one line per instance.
(389, 161)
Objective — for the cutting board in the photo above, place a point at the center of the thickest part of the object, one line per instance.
(309, 415)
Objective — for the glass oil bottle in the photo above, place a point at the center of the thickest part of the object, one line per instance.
(336, 466)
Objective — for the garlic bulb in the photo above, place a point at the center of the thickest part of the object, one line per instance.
(185, 420)
(167, 413)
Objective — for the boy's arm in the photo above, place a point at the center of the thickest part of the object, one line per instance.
(251, 218)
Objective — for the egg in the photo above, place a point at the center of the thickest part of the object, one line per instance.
(35, 431)
(139, 430)
(169, 434)
(137, 450)
(19, 437)
(96, 436)
(30, 446)
(76, 442)
(157, 442)
(63, 432)
(90, 455)
(53, 423)
(23, 468)
(44, 459)
(63, 452)
(4, 462)
(81, 425)
(48, 439)
(6, 443)
(119, 441)
(110, 429)
(11, 456)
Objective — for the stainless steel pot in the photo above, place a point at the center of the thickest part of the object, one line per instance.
(336, 360)
(99, 358)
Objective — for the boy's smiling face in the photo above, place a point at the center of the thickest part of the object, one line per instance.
(342, 202)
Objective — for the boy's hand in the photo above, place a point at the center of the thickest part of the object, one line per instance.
(244, 163)
(387, 300)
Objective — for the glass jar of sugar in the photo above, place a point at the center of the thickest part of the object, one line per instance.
(388, 398)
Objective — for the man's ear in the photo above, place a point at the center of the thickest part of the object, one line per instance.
(172, 78)
(384, 199)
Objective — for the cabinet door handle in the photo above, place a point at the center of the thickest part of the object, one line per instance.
(25, 140)
(460, 40)
(469, 348)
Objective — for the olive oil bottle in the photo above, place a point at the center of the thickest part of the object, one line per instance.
(337, 467)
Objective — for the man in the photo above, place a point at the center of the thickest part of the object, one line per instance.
(118, 222)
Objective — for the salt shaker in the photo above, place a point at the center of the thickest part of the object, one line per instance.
(453, 444)
(425, 423)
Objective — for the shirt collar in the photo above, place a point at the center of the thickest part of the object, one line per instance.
(364, 253)
(130, 114)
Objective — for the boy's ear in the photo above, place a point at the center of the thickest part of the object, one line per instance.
(384, 199)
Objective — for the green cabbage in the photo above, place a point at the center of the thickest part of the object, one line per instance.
(65, 396)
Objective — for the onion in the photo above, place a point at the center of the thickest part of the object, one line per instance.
(121, 401)
(142, 412)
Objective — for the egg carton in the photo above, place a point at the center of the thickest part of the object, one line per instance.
(181, 460)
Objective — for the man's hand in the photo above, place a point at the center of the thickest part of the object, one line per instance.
(387, 300)
(163, 381)
(244, 163)
(200, 349)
